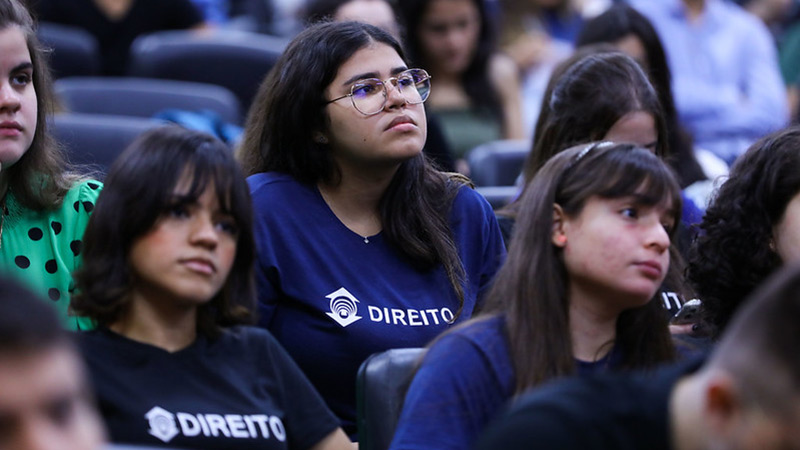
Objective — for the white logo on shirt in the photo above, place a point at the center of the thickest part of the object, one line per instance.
(237, 426)
(162, 424)
(344, 309)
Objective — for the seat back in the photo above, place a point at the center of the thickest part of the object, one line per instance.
(498, 163)
(96, 140)
(237, 60)
(75, 51)
(144, 97)
(381, 385)
(498, 196)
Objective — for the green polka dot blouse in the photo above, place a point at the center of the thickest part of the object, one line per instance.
(43, 248)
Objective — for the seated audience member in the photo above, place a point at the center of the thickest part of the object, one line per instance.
(117, 23)
(751, 227)
(477, 95)
(599, 94)
(44, 203)
(382, 14)
(538, 35)
(362, 245)
(577, 294)
(631, 33)
(168, 278)
(727, 84)
(45, 400)
(745, 396)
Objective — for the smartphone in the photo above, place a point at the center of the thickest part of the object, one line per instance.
(688, 314)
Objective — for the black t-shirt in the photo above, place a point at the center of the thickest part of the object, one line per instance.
(239, 391)
(604, 412)
(116, 37)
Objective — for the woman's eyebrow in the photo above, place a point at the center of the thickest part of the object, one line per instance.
(22, 66)
(361, 76)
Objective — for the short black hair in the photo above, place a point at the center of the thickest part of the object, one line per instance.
(27, 322)
(137, 191)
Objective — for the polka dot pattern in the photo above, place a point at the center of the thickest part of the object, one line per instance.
(22, 262)
(35, 234)
(51, 266)
(76, 246)
(43, 248)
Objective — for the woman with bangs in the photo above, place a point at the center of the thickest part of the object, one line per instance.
(576, 294)
(168, 279)
(597, 94)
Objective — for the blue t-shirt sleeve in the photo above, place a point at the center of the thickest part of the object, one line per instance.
(494, 251)
(267, 279)
(479, 239)
(456, 391)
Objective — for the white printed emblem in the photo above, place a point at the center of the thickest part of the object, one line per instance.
(162, 424)
(344, 308)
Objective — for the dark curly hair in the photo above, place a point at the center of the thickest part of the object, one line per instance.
(735, 249)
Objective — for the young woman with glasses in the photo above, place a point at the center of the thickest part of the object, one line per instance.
(362, 245)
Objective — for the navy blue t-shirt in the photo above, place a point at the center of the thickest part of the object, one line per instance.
(240, 391)
(464, 381)
(333, 299)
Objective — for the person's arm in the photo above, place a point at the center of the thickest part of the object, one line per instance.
(337, 440)
(504, 77)
(454, 394)
(752, 106)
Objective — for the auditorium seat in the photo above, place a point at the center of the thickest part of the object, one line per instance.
(237, 60)
(144, 97)
(497, 163)
(381, 384)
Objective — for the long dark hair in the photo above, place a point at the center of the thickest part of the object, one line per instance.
(279, 137)
(530, 290)
(587, 94)
(620, 21)
(137, 192)
(475, 78)
(41, 178)
(734, 252)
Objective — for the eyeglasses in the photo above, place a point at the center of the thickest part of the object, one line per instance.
(369, 95)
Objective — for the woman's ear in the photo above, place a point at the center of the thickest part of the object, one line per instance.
(559, 236)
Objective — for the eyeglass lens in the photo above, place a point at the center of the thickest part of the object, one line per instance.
(369, 96)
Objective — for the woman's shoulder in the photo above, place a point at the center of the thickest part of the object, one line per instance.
(85, 190)
(469, 198)
(485, 334)
(274, 183)
(246, 338)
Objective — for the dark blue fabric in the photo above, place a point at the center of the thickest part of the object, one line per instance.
(332, 300)
(238, 391)
(463, 383)
(602, 412)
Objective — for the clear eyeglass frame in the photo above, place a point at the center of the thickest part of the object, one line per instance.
(365, 92)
